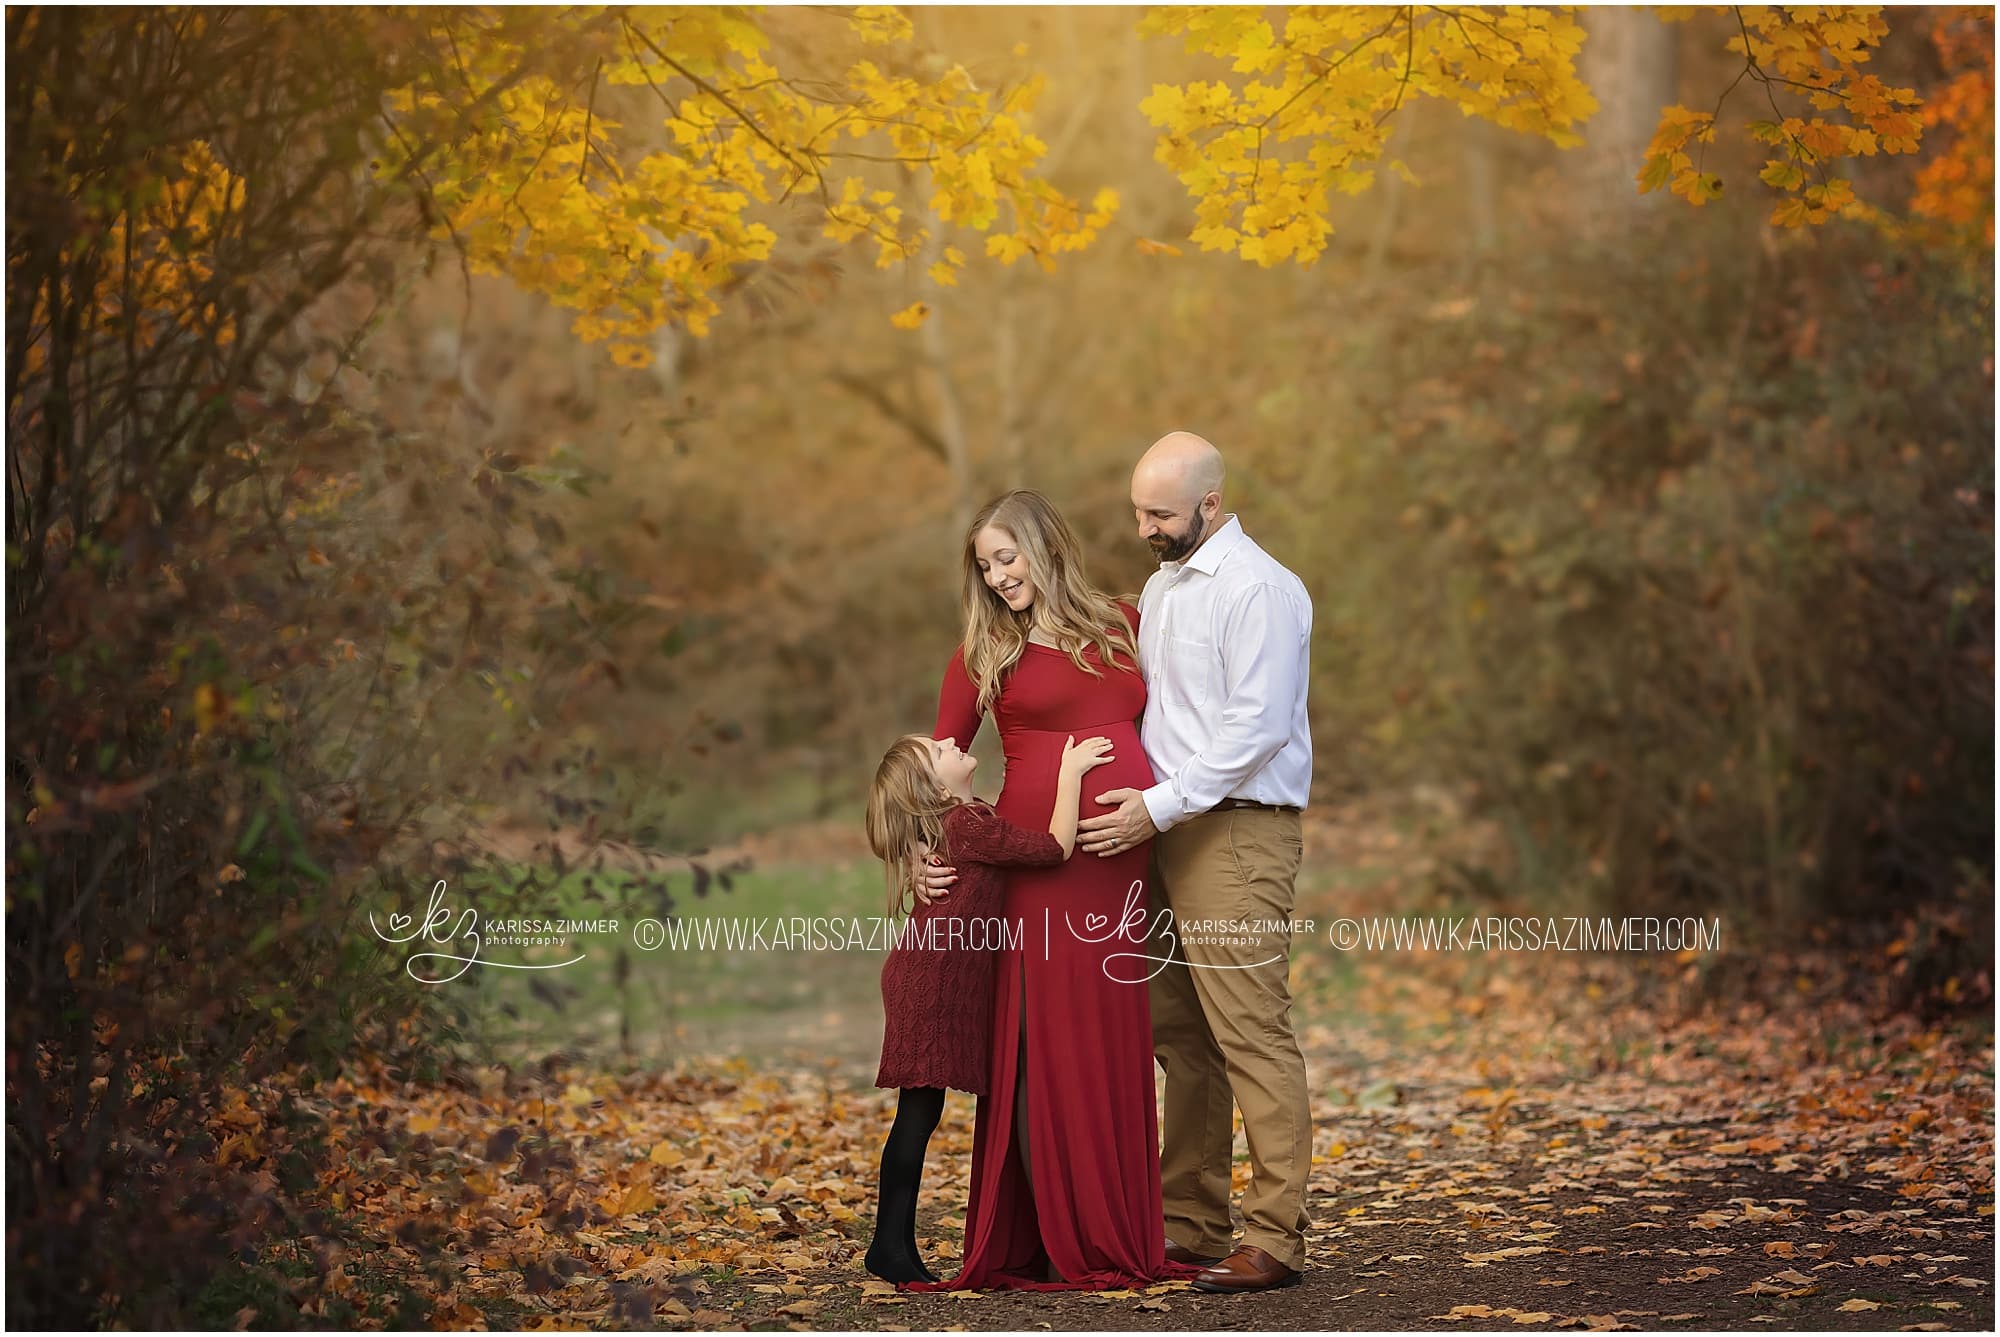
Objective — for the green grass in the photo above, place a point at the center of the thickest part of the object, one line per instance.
(238, 1286)
(662, 1002)
(717, 809)
(380, 1295)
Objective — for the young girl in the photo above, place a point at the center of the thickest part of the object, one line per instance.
(937, 983)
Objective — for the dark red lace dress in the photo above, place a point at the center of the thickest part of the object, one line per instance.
(937, 984)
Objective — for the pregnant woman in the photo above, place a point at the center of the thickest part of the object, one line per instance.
(1065, 1159)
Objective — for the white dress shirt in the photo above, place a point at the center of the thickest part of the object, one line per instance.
(1223, 637)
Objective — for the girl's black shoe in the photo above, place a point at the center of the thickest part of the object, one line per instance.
(896, 1264)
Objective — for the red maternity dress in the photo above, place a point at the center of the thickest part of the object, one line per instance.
(1094, 1210)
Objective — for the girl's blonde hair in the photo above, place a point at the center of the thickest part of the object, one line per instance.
(906, 806)
(1072, 611)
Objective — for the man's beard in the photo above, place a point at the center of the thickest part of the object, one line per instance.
(1173, 550)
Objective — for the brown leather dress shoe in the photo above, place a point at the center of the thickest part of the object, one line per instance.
(1248, 1269)
(1178, 1254)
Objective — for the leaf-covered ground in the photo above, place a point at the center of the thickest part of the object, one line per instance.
(1539, 1140)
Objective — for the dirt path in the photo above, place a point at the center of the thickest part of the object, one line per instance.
(1638, 1197)
(1502, 1140)
(1560, 1140)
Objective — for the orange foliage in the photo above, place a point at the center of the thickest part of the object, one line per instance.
(1956, 186)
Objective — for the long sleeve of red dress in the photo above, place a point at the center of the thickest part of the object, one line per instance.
(958, 703)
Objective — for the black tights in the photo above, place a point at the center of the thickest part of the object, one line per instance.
(892, 1255)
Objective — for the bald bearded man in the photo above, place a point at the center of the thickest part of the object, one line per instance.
(1223, 635)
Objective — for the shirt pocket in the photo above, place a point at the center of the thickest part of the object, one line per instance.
(1190, 663)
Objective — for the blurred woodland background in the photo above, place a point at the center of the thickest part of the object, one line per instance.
(1657, 536)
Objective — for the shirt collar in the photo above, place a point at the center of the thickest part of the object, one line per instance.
(1218, 545)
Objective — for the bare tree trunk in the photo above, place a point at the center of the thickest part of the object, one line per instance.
(1007, 386)
(1015, 412)
(1629, 60)
(668, 345)
(579, 399)
(1391, 197)
(1073, 49)
(1144, 136)
(1482, 197)
(950, 404)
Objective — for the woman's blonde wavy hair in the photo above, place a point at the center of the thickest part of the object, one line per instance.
(906, 807)
(1067, 607)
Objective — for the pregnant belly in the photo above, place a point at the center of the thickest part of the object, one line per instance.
(1035, 756)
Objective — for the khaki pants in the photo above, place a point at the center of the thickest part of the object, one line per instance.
(1222, 1027)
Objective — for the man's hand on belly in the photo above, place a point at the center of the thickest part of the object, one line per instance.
(1127, 825)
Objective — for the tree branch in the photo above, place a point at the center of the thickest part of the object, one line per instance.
(873, 394)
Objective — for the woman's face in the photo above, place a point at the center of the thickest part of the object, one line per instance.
(1004, 567)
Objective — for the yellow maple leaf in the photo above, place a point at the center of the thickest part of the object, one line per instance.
(881, 23)
(910, 316)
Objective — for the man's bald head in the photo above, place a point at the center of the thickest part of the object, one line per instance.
(1177, 494)
(1180, 467)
